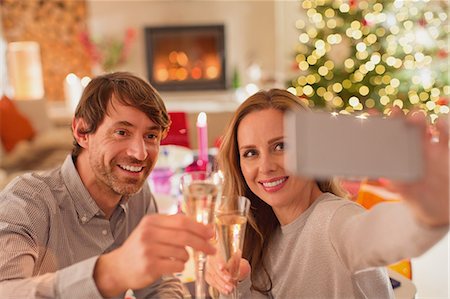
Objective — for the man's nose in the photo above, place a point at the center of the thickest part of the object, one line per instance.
(137, 149)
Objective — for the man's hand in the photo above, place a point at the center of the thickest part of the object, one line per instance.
(156, 247)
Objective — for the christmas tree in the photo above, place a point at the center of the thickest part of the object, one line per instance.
(356, 55)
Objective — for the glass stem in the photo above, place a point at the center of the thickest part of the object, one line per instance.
(234, 293)
(200, 284)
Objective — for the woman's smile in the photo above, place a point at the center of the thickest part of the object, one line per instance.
(274, 184)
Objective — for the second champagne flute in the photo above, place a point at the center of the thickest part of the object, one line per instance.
(200, 192)
(231, 220)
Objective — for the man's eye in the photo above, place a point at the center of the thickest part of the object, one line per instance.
(152, 136)
(120, 132)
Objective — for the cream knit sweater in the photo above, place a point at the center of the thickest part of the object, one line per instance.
(334, 249)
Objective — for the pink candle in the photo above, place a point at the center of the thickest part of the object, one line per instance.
(202, 136)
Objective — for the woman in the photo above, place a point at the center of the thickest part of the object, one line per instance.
(304, 240)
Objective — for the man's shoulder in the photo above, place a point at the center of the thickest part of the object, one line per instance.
(33, 184)
(30, 198)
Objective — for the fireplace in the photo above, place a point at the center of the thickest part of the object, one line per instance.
(186, 57)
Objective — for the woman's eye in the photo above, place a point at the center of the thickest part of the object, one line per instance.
(279, 146)
(249, 153)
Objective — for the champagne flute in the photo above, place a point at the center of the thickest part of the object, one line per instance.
(200, 191)
(230, 221)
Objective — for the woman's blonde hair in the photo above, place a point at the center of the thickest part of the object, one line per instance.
(262, 219)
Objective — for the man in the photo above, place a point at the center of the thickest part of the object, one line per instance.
(89, 228)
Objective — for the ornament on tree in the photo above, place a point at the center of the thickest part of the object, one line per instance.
(365, 23)
(422, 22)
(442, 101)
(442, 54)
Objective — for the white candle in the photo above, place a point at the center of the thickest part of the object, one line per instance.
(72, 91)
(202, 135)
(25, 70)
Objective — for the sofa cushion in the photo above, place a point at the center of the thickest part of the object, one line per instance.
(14, 126)
(48, 149)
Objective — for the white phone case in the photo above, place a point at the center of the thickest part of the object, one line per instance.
(322, 145)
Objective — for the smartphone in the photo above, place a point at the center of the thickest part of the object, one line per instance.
(322, 145)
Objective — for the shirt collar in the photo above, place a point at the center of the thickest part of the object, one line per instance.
(85, 205)
(123, 203)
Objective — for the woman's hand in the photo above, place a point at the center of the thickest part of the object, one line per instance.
(218, 277)
(429, 197)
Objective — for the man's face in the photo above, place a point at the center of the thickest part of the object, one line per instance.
(123, 150)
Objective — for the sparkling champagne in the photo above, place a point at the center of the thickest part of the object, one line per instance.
(200, 191)
(200, 200)
(231, 233)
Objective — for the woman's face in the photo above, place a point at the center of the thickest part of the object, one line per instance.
(261, 148)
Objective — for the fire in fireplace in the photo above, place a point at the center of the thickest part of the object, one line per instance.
(186, 57)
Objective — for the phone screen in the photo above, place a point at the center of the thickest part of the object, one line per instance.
(323, 145)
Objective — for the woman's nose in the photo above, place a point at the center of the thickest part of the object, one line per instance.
(267, 163)
(137, 149)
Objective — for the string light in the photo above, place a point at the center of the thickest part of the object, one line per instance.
(355, 55)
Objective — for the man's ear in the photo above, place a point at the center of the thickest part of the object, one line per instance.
(78, 128)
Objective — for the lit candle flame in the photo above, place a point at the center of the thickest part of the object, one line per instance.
(201, 119)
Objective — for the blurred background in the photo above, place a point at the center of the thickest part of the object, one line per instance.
(346, 56)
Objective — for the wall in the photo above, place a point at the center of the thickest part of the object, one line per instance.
(286, 34)
(56, 26)
(261, 32)
(250, 37)
(431, 271)
(249, 32)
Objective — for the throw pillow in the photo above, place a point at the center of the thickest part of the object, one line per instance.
(14, 127)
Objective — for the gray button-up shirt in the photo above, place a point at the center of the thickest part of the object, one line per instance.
(52, 233)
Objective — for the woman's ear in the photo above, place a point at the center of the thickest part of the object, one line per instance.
(79, 128)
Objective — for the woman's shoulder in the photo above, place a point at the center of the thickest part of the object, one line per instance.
(329, 204)
(328, 200)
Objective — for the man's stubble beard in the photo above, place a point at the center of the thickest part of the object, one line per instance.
(108, 178)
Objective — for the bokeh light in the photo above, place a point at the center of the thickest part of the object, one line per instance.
(373, 54)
